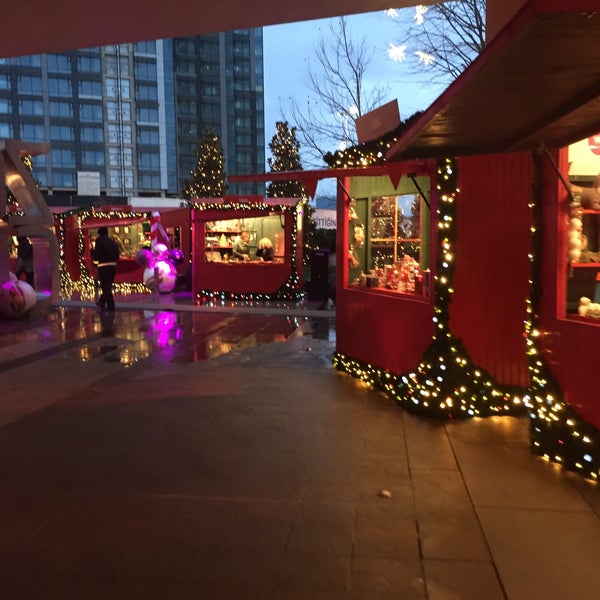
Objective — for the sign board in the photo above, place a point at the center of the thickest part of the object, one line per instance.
(325, 219)
(88, 183)
(378, 122)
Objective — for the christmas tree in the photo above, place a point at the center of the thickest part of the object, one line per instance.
(208, 179)
(285, 150)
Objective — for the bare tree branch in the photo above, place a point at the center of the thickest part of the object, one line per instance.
(335, 95)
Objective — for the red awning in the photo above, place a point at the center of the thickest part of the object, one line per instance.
(537, 82)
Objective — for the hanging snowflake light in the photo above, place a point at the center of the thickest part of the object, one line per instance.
(397, 53)
(420, 10)
(424, 57)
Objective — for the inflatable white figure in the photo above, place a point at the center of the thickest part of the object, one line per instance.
(16, 298)
(167, 276)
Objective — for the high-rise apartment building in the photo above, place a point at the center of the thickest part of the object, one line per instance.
(134, 113)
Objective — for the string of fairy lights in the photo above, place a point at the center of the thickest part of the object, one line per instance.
(291, 289)
(86, 284)
(557, 432)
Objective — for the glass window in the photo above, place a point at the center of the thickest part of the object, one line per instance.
(145, 47)
(241, 85)
(186, 67)
(91, 89)
(117, 179)
(116, 68)
(59, 63)
(210, 89)
(148, 137)
(209, 47)
(33, 108)
(30, 61)
(59, 87)
(118, 111)
(120, 156)
(389, 241)
(114, 87)
(29, 85)
(187, 107)
(61, 110)
(119, 134)
(63, 179)
(92, 134)
(241, 66)
(88, 64)
(149, 181)
(581, 259)
(32, 132)
(93, 158)
(243, 122)
(91, 113)
(145, 70)
(243, 103)
(241, 48)
(148, 160)
(184, 46)
(62, 157)
(62, 133)
(4, 81)
(6, 106)
(147, 115)
(146, 92)
(5, 130)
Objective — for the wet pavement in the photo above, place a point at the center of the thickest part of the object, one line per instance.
(212, 452)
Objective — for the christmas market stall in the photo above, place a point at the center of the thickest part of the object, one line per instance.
(247, 248)
(506, 321)
(139, 231)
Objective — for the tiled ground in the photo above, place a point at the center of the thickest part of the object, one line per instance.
(217, 455)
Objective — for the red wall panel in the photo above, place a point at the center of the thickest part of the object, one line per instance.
(493, 240)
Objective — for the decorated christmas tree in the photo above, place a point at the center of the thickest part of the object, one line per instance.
(285, 150)
(208, 179)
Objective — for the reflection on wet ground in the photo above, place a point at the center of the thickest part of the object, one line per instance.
(131, 335)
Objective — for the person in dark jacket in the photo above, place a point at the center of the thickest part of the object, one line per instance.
(105, 256)
(24, 259)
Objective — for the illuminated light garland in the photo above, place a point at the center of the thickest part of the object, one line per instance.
(446, 383)
(290, 290)
(557, 433)
(86, 284)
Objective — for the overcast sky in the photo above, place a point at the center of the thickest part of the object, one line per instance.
(287, 48)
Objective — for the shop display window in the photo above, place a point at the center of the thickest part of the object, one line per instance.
(389, 243)
(583, 230)
(221, 237)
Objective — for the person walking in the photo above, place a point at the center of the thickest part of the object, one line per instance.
(24, 259)
(105, 256)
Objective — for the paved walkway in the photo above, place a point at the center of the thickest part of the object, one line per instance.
(216, 455)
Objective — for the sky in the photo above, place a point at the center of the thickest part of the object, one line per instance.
(288, 47)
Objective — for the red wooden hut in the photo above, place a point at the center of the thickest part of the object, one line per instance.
(216, 225)
(493, 329)
(131, 227)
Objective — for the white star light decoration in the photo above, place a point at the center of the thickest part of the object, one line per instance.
(425, 58)
(420, 10)
(397, 53)
(392, 13)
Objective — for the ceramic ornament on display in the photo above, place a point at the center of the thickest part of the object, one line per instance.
(167, 276)
(16, 298)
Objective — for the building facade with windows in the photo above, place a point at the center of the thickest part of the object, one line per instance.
(134, 113)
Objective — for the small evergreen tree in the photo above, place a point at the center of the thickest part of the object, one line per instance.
(208, 179)
(285, 150)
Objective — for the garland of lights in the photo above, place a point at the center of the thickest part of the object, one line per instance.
(446, 383)
(86, 284)
(290, 291)
(557, 432)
